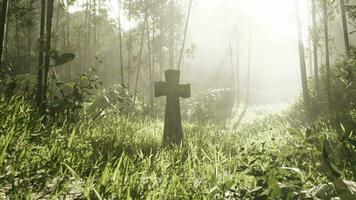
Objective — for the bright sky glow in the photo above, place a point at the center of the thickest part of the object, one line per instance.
(113, 10)
(274, 60)
(278, 15)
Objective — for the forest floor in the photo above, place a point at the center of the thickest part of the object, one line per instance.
(120, 157)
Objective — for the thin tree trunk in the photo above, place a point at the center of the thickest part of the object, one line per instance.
(231, 58)
(185, 35)
(40, 56)
(120, 45)
(68, 45)
(302, 61)
(149, 64)
(309, 53)
(171, 36)
(56, 28)
(139, 61)
(249, 60)
(95, 27)
(315, 52)
(129, 50)
(237, 69)
(99, 23)
(85, 57)
(2, 27)
(160, 53)
(310, 57)
(231, 51)
(5, 48)
(18, 48)
(47, 49)
(65, 47)
(327, 56)
(153, 62)
(89, 50)
(68, 24)
(346, 32)
(29, 45)
(80, 52)
(244, 111)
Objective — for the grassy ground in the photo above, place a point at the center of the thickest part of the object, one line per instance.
(119, 157)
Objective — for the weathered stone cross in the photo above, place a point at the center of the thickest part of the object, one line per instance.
(173, 134)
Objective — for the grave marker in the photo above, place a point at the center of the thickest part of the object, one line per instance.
(173, 134)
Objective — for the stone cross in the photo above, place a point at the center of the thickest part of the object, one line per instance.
(173, 134)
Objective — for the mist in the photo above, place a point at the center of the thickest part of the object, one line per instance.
(222, 33)
(274, 73)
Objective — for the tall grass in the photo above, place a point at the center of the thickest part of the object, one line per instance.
(120, 157)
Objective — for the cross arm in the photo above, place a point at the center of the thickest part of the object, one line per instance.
(160, 89)
(184, 91)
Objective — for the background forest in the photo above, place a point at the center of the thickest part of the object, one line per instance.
(272, 113)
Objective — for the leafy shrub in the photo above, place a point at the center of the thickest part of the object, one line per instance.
(18, 85)
(118, 98)
(69, 98)
(343, 96)
(213, 106)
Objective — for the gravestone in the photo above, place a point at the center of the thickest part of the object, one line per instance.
(173, 134)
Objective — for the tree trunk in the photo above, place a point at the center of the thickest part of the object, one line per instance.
(247, 100)
(302, 61)
(99, 24)
(56, 28)
(171, 36)
(80, 52)
(139, 61)
(89, 50)
(40, 56)
(2, 27)
(95, 27)
(160, 52)
(29, 45)
(249, 60)
(85, 57)
(310, 59)
(120, 47)
(153, 62)
(150, 90)
(47, 49)
(237, 69)
(231, 51)
(345, 29)
(18, 48)
(5, 48)
(67, 36)
(315, 52)
(327, 56)
(129, 50)
(185, 36)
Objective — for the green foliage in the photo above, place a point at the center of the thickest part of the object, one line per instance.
(121, 157)
(335, 151)
(343, 97)
(65, 99)
(119, 98)
(212, 106)
(18, 85)
(69, 98)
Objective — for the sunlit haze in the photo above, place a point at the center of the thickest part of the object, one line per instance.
(216, 24)
(178, 99)
(275, 74)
